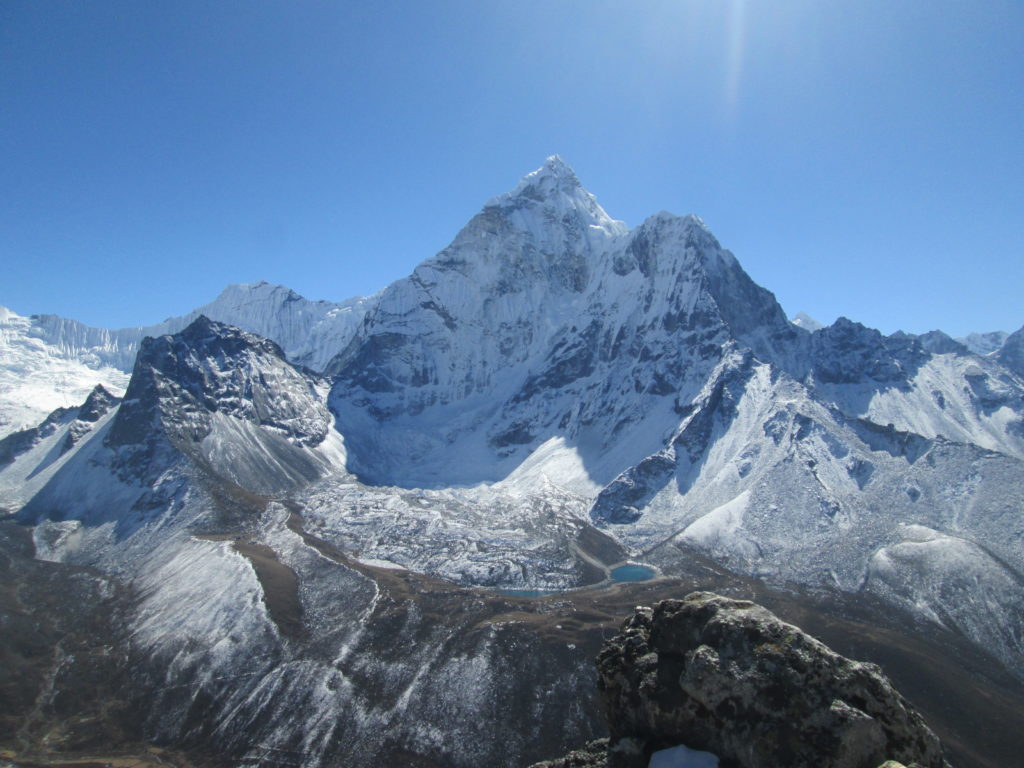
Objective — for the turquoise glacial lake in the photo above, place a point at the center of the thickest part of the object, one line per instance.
(632, 572)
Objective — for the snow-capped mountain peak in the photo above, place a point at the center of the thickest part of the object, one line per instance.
(553, 193)
(209, 367)
(555, 169)
(805, 321)
(984, 343)
(553, 178)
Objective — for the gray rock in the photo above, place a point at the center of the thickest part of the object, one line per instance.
(1012, 352)
(728, 677)
(593, 755)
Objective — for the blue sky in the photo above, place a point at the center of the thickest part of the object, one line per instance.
(860, 157)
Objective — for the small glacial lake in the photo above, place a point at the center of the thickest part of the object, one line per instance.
(632, 572)
(619, 574)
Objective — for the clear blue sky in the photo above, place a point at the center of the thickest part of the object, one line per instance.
(860, 157)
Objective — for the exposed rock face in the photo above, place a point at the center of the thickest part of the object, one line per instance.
(95, 407)
(224, 394)
(728, 677)
(210, 368)
(1012, 353)
(847, 352)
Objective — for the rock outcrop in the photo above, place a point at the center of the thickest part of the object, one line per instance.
(79, 421)
(727, 677)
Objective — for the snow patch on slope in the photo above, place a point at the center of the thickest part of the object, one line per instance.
(721, 529)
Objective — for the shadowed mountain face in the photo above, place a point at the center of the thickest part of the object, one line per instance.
(80, 419)
(315, 560)
(1011, 354)
(212, 368)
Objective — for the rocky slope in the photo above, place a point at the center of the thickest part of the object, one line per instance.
(249, 636)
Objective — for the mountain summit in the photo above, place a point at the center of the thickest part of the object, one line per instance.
(554, 192)
(555, 176)
(544, 319)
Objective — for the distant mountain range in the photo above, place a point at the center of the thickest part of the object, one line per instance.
(315, 504)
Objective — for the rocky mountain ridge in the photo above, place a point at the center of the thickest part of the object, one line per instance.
(65, 358)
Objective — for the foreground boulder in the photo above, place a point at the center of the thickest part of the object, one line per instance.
(726, 676)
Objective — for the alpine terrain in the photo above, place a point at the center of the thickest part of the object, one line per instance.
(391, 530)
